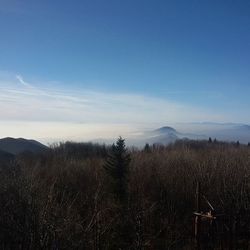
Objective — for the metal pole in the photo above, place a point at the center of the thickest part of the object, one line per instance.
(197, 218)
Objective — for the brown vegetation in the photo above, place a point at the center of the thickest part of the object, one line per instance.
(65, 201)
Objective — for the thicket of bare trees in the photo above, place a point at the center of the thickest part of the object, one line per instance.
(65, 201)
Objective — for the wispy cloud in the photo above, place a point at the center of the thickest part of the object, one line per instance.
(25, 84)
(98, 107)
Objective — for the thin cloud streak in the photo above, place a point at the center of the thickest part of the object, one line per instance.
(25, 84)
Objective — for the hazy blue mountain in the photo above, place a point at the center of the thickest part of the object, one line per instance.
(164, 130)
(221, 131)
(233, 133)
(229, 132)
(16, 146)
(163, 135)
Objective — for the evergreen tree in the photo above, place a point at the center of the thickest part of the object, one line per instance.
(147, 148)
(117, 167)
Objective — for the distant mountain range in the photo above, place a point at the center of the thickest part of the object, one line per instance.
(229, 132)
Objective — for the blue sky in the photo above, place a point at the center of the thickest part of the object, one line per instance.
(170, 61)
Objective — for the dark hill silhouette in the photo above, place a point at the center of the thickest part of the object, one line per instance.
(19, 145)
(6, 158)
